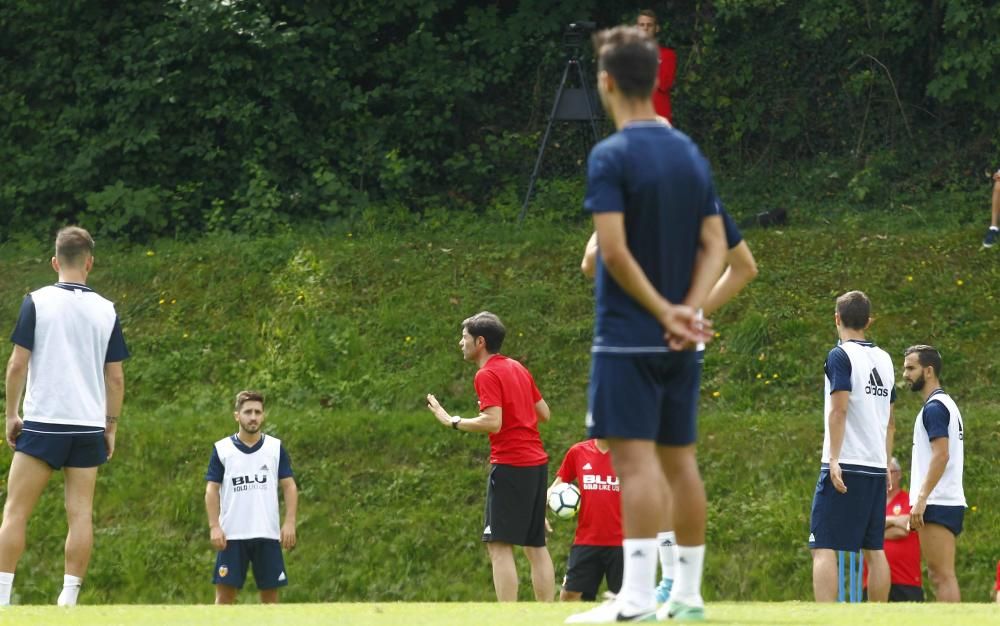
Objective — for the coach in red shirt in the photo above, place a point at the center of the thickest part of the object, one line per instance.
(597, 548)
(510, 408)
(667, 71)
(902, 546)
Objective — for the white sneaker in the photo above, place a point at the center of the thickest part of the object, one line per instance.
(611, 612)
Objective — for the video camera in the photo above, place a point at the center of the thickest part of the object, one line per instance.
(576, 34)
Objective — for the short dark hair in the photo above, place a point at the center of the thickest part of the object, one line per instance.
(489, 327)
(649, 13)
(73, 246)
(855, 309)
(630, 57)
(927, 356)
(248, 396)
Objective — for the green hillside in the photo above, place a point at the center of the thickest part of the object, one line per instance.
(346, 331)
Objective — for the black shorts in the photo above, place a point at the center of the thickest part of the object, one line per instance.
(951, 517)
(588, 565)
(515, 505)
(900, 593)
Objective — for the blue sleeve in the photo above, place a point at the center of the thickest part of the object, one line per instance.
(216, 470)
(838, 370)
(604, 181)
(24, 330)
(117, 350)
(284, 465)
(936, 419)
(733, 235)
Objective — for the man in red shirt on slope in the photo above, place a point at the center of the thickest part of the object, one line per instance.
(667, 71)
(902, 545)
(510, 408)
(597, 546)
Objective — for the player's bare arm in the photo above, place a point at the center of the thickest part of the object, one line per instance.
(114, 384)
(680, 322)
(589, 263)
(838, 424)
(16, 378)
(741, 269)
(290, 493)
(488, 421)
(213, 507)
(939, 461)
(542, 411)
(710, 261)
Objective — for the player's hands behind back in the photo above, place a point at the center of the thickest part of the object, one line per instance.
(683, 326)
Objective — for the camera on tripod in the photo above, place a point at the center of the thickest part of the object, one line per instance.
(576, 34)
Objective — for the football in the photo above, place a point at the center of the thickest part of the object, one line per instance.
(564, 500)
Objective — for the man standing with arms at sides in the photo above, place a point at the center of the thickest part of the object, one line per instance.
(937, 499)
(848, 510)
(68, 348)
(667, 69)
(741, 268)
(660, 242)
(902, 546)
(597, 545)
(241, 498)
(510, 408)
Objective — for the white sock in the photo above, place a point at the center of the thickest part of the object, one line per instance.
(687, 585)
(668, 545)
(6, 584)
(994, 227)
(70, 590)
(639, 575)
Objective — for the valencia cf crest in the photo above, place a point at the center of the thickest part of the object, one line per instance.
(223, 570)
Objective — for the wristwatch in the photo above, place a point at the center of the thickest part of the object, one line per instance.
(454, 421)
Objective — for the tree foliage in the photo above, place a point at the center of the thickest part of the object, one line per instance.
(165, 117)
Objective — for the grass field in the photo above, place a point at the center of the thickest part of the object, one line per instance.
(455, 614)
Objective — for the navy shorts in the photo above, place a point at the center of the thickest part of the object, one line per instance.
(648, 396)
(264, 554)
(515, 505)
(62, 446)
(853, 520)
(951, 517)
(588, 565)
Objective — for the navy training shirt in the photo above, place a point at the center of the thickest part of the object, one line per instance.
(659, 179)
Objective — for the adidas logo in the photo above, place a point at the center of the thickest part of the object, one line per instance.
(682, 560)
(281, 576)
(875, 386)
(812, 538)
(638, 554)
(487, 531)
(587, 466)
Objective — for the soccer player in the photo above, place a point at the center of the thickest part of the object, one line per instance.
(848, 510)
(741, 269)
(937, 500)
(241, 498)
(994, 230)
(667, 69)
(661, 248)
(68, 350)
(597, 546)
(902, 547)
(510, 408)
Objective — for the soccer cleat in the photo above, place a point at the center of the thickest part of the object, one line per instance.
(663, 590)
(681, 612)
(609, 613)
(990, 238)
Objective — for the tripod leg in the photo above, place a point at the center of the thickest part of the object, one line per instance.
(545, 141)
(590, 105)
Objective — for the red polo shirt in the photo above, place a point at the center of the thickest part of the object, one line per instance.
(665, 82)
(505, 383)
